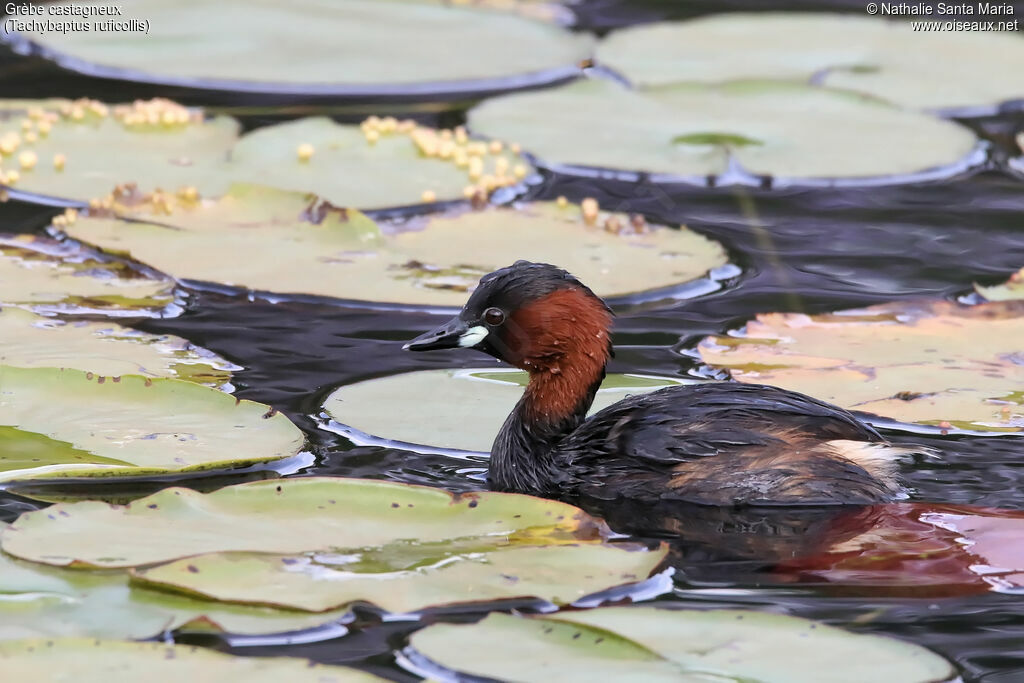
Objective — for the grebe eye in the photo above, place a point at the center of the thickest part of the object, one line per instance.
(494, 316)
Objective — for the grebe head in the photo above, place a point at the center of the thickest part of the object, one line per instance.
(535, 316)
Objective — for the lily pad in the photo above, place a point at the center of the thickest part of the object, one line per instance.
(275, 246)
(451, 409)
(932, 362)
(922, 550)
(359, 47)
(69, 423)
(1012, 289)
(45, 276)
(335, 514)
(345, 169)
(102, 149)
(404, 579)
(87, 660)
(925, 69)
(672, 645)
(31, 341)
(41, 601)
(686, 133)
(110, 156)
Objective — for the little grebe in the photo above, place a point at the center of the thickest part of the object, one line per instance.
(719, 443)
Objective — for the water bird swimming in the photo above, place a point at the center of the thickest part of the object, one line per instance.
(717, 443)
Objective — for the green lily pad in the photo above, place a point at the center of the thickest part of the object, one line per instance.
(336, 514)
(886, 59)
(31, 341)
(936, 363)
(1012, 289)
(102, 151)
(41, 601)
(116, 156)
(723, 646)
(691, 132)
(451, 409)
(351, 48)
(81, 424)
(275, 247)
(346, 170)
(407, 579)
(42, 275)
(87, 660)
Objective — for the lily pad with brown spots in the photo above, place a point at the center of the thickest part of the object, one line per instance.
(932, 362)
(289, 243)
(57, 423)
(691, 646)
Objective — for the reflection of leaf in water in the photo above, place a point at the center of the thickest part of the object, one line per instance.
(921, 550)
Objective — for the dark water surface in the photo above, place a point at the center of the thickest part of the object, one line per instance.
(808, 251)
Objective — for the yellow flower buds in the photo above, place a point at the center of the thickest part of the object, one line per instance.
(589, 208)
(304, 152)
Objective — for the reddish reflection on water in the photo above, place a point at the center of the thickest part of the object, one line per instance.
(917, 550)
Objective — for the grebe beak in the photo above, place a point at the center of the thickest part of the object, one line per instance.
(453, 334)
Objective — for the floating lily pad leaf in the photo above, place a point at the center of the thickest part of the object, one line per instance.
(274, 246)
(452, 409)
(673, 645)
(111, 156)
(101, 150)
(1011, 289)
(923, 550)
(38, 601)
(345, 169)
(254, 238)
(943, 69)
(87, 660)
(787, 131)
(117, 426)
(261, 516)
(613, 257)
(423, 576)
(357, 47)
(31, 341)
(935, 363)
(43, 275)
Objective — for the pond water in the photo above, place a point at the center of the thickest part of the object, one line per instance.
(807, 251)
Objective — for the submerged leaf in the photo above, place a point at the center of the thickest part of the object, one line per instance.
(936, 363)
(722, 646)
(459, 409)
(69, 423)
(43, 275)
(31, 341)
(804, 133)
